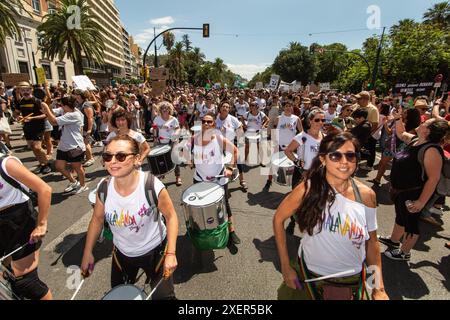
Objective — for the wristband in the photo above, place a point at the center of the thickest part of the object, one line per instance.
(170, 254)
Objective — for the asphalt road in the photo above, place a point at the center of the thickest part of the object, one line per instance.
(251, 273)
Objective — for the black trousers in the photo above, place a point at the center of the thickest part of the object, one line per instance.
(124, 270)
(371, 147)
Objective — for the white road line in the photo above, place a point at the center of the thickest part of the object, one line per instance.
(77, 231)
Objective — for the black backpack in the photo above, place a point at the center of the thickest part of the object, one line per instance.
(31, 194)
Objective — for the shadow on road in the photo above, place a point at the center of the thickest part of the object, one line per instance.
(268, 200)
(192, 261)
(401, 282)
(443, 267)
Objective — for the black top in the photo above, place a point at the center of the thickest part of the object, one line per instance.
(32, 106)
(362, 132)
(406, 171)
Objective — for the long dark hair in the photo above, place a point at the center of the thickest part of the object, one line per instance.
(318, 191)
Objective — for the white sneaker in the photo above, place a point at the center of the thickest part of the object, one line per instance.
(82, 189)
(72, 186)
(436, 211)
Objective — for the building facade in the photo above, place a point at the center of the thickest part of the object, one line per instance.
(22, 55)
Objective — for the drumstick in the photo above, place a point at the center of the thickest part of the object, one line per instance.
(17, 250)
(207, 192)
(78, 289)
(24, 118)
(154, 289)
(339, 274)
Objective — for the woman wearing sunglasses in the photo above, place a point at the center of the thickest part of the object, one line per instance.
(167, 130)
(337, 218)
(208, 147)
(141, 238)
(71, 147)
(121, 121)
(254, 121)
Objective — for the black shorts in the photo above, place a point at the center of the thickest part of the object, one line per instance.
(404, 218)
(65, 156)
(32, 133)
(16, 225)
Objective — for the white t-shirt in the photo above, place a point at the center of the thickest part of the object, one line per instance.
(166, 128)
(241, 109)
(71, 124)
(132, 220)
(340, 246)
(209, 162)
(311, 149)
(287, 128)
(138, 137)
(228, 126)
(330, 117)
(204, 110)
(255, 122)
(9, 195)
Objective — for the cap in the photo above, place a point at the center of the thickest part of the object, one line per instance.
(24, 84)
(363, 94)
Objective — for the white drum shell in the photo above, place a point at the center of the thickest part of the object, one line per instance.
(125, 292)
(283, 169)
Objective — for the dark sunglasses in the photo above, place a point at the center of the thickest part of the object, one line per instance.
(319, 120)
(120, 156)
(337, 156)
(207, 121)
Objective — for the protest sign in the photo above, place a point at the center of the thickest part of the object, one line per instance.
(83, 83)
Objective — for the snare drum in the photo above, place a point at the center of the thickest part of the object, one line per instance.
(204, 206)
(125, 292)
(283, 169)
(160, 160)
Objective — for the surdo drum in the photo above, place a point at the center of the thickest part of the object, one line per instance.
(283, 169)
(160, 160)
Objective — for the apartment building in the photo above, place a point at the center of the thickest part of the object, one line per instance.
(22, 55)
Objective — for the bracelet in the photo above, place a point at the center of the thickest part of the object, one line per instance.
(170, 254)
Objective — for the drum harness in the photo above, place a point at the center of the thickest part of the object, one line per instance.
(152, 200)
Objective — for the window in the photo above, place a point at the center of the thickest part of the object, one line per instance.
(36, 5)
(23, 67)
(48, 71)
(61, 73)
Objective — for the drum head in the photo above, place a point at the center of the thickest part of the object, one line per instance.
(159, 150)
(281, 160)
(93, 196)
(125, 292)
(203, 194)
(252, 135)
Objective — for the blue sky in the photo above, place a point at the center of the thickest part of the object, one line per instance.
(248, 34)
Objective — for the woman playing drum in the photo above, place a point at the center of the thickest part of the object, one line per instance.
(208, 147)
(337, 216)
(141, 239)
(121, 121)
(168, 130)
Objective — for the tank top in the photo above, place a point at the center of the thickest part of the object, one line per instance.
(287, 128)
(28, 107)
(209, 162)
(406, 171)
(9, 195)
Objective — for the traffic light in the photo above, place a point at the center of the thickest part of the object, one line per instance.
(206, 30)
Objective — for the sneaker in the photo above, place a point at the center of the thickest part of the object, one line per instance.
(45, 169)
(365, 167)
(290, 228)
(89, 163)
(72, 186)
(268, 185)
(82, 189)
(397, 254)
(234, 238)
(436, 211)
(388, 242)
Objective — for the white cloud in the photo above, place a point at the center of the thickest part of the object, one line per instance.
(247, 70)
(147, 35)
(162, 21)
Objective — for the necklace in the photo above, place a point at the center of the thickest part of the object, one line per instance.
(343, 190)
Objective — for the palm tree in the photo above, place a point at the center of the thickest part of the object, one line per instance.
(187, 43)
(197, 56)
(58, 38)
(8, 13)
(219, 69)
(178, 55)
(439, 14)
(168, 40)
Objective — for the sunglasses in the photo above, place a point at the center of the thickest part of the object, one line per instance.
(207, 121)
(337, 156)
(319, 120)
(120, 156)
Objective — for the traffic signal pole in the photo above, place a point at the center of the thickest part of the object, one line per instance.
(377, 62)
(205, 30)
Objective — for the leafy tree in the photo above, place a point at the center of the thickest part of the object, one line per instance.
(8, 14)
(168, 40)
(187, 43)
(58, 40)
(295, 63)
(332, 62)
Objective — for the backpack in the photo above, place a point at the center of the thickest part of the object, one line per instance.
(443, 186)
(33, 201)
(150, 193)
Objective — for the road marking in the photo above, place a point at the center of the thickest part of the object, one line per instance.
(77, 231)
